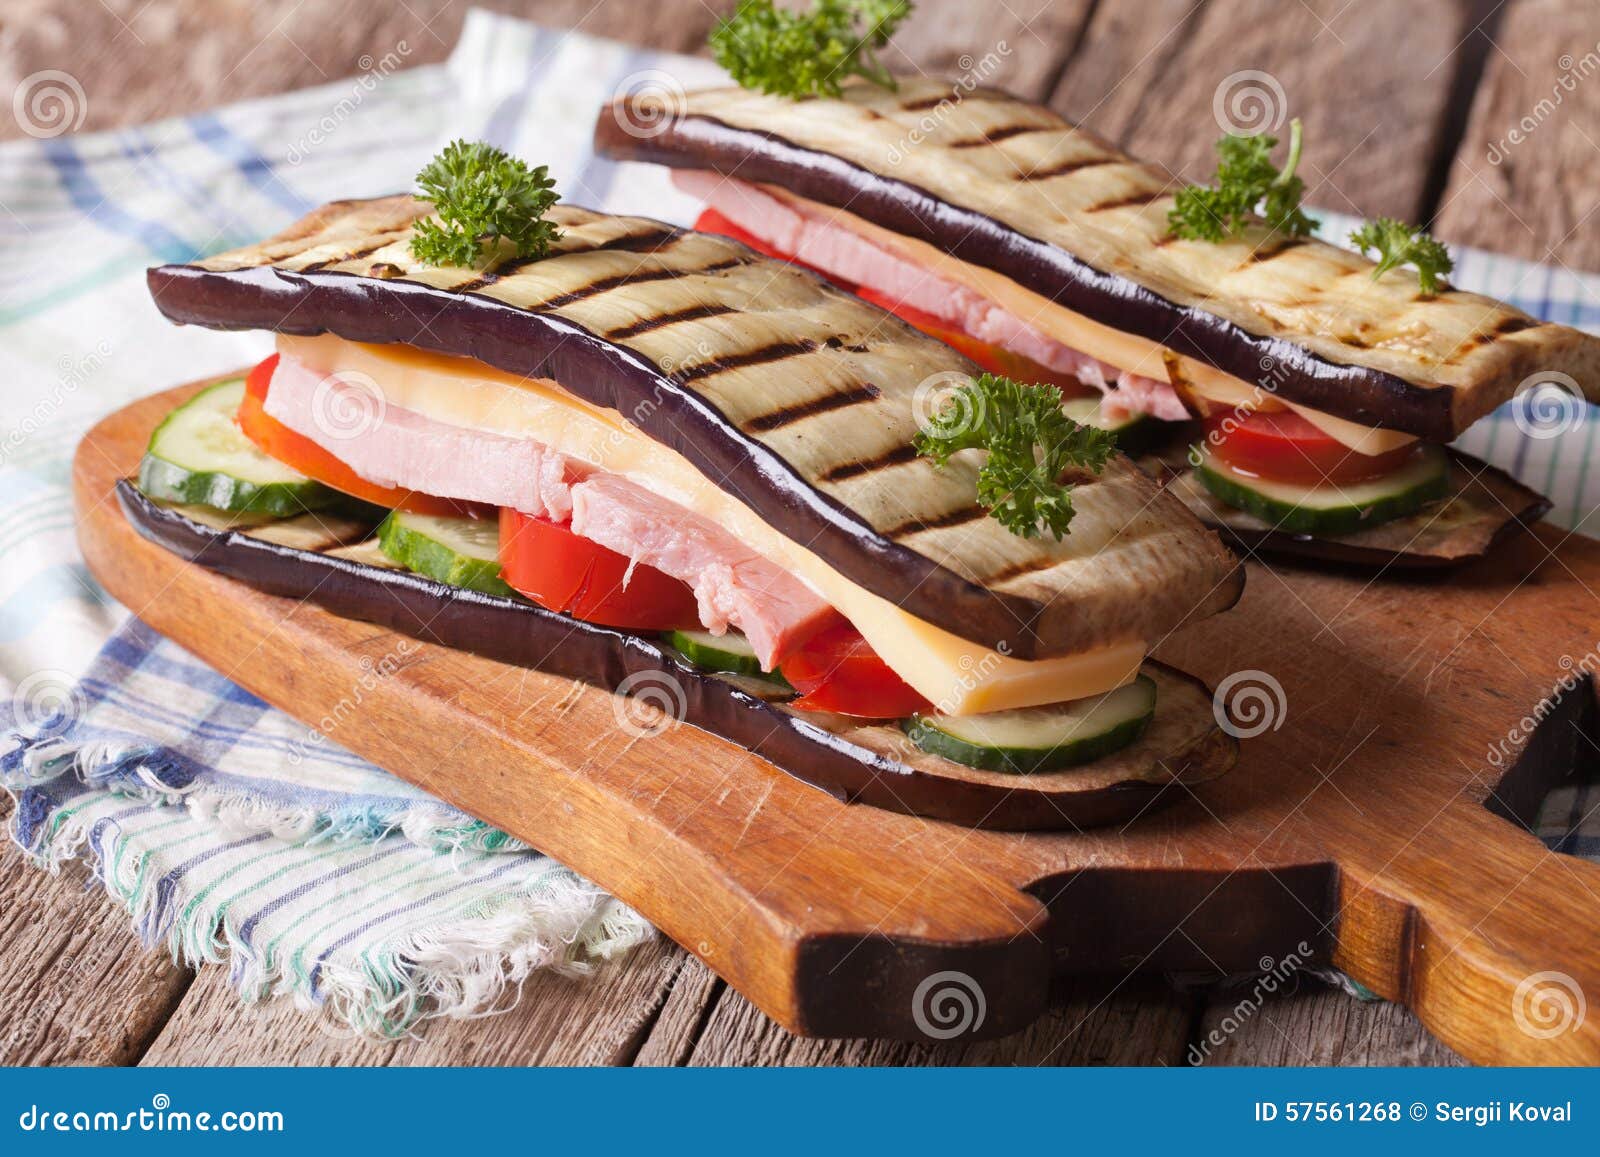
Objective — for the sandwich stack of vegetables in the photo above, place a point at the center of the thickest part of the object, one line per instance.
(1293, 393)
(586, 442)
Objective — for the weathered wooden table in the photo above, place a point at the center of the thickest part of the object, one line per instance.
(1413, 107)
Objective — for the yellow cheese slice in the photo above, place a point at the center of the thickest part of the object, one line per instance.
(1130, 352)
(959, 677)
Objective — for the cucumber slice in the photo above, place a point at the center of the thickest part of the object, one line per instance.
(199, 457)
(1035, 739)
(731, 652)
(464, 552)
(1326, 511)
(1133, 431)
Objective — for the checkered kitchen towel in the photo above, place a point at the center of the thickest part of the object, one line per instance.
(179, 786)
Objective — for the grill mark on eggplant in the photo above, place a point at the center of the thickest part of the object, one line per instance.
(766, 355)
(899, 456)
(646, 324)
(922, 104)
(958, 517)
(633, 277)
(652, 241)
(800, 411)
(1018, 569)
(1062, 168)
(1503, 328)
(1003, 133)
(1132, 200)
(1280, 246)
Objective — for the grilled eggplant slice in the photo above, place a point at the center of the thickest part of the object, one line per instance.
(1013, 188)
(1482, 506)
(799, 398)
(852, 760)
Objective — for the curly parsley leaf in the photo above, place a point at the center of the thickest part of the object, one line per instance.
(795, 54)
(1031, 444)
(482, 195)
(1246, 182)
(1400, 244)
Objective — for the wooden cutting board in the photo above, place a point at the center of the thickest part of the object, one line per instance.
(1365, 826)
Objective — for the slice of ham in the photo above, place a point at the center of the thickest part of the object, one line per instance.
(824, 243)
(391, 446)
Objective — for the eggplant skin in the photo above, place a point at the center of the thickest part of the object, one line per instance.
(795, 397)
(1012, 187)
(852, 761)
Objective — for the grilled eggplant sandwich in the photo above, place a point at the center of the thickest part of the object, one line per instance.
(1326, 389)
(634, 454)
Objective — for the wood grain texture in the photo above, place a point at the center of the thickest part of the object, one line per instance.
(1021, 45)
(1314, 1025)
(1533, 194)
(1370, 79)
(1354, 831)
(139, 60)
(596, 1019)
(75, 987)
(1090, 1021)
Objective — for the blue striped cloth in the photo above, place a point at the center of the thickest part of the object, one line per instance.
(233, 834)
(344, 888)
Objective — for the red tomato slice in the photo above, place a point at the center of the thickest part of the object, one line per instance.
(837, 671)
(300, 453)
(995, 359)
(1282, 446)
(710, 221)
(562, 571)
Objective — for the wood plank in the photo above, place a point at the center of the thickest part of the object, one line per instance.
(1316, 1025)
(1523, 180)
(598, 1019)
(673, 1037)
(75, 988)
(1020, 45)
(137, 63)
(1370, 79)
(1135, 1020)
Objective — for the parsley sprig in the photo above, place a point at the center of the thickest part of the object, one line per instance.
(1246, 181)
(1031, 444)
(1400, 244)
(797, 54)
(482, 195)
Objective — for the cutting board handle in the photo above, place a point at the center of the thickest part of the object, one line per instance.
(1490, 937)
